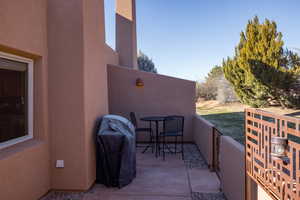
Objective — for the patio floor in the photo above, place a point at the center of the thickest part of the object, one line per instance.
(173, 179)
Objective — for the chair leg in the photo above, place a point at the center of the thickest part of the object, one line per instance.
(164, 144)
(158, 145)
(151, 137)
(144, 151)
(136, 143)
(152, 141)
(182, 149)
(175, 145)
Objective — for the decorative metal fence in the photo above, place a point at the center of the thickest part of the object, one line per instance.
(280, 177)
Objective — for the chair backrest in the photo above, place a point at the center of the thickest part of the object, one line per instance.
(174, 124)
(133, 119)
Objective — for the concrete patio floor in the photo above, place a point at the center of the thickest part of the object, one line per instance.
(173, 179)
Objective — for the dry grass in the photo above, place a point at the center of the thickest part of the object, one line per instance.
(213, 107)
(229, 118)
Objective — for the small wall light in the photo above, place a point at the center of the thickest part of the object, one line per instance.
(278, 147)
(139, 82)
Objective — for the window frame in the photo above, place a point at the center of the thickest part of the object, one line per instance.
(29, 63)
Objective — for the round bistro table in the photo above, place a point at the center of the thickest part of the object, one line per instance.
(155, 119)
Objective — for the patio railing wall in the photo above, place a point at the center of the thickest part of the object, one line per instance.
(203, 137)
(224, 155)
(232, 168)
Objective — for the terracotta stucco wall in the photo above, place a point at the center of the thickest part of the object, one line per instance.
(231, 161)
(126, 38)
(77, 87)
(65, 37)
(161, 95)
(96, 55)
(24, 167)
(232, 168)
(252, 189)
(203, 131)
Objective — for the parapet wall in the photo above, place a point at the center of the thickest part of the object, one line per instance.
(231, 160)
(160, 95)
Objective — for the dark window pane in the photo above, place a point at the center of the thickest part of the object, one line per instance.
(13, 100)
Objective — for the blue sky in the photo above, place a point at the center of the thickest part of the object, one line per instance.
(186, 38)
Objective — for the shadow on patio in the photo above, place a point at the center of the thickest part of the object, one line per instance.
(173, 179)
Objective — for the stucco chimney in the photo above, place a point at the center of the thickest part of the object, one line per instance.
(126, 42)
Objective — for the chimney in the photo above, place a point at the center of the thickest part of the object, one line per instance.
(126, 42)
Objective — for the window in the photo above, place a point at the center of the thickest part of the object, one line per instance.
(16, 99)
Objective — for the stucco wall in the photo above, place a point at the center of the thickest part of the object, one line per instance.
(96, 55)
(66, 94)
(126, 37)
(78, 88)
(24, 167)
(161, 95)
(252, 190)
(231, 161)
(69, 94)
(203, 131)
(111, 56)
(232, 168)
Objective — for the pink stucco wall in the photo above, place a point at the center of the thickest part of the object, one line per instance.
(161, 95)
(231, 161)
(77, 88)
(96, 56)
(252, 190)
(24, 167)
(203, 131)
(66, 94)
(66, 41)
(232, 168)
(126, 37)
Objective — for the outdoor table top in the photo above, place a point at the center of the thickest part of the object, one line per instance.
(153, 118)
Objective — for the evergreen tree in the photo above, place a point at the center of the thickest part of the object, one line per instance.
(208, 89)
(225, 92)
(215, 87)
(145, 63)
(261, 71)
(214, 73)
(290, 60)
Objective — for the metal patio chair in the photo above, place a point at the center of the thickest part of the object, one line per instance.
(143, 129)
(173, 127)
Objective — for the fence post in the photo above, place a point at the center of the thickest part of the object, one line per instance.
(212, 167)
(216, 134)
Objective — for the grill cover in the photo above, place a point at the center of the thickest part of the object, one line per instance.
(116, 158)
